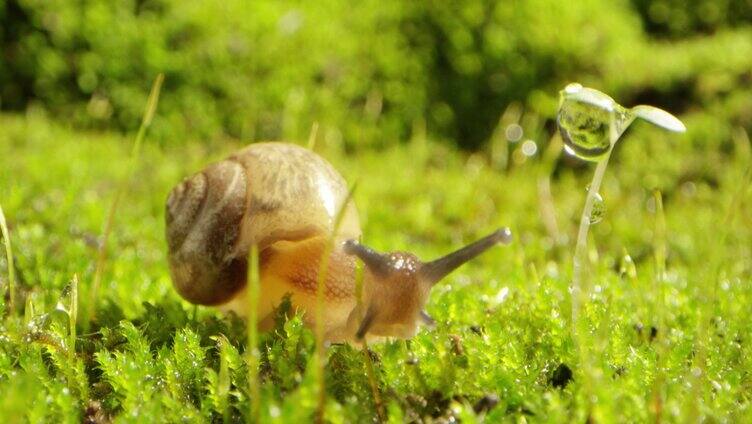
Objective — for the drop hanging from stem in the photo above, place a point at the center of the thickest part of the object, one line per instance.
(590, 123)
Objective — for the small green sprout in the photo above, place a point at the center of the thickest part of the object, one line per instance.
(590, 123)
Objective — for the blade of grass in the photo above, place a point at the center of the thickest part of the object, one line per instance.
(73, 317)
(313, 135)
(659, 249)
(151, 107)
(580, 265)
(380, 413)
(546, 206)
(254, 386)
(223, 380)
(320, 283)
(9, 258)
(366, 355)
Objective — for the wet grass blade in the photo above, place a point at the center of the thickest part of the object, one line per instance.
(73, 317)
(660, 252)
(9, 258)
(151, 107)
(320, 353)
(313, 136)
(366, 354)
(254, 356)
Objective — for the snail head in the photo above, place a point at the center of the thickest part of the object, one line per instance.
(397, 285)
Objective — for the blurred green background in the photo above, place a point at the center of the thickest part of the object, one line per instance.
(373, 72)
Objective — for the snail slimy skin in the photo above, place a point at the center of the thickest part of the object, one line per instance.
(284, 199)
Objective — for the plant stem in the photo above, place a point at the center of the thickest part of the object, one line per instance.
(580, 291)
(380, 414)
(659, 248)
(9, 257)
(73, 317)
(254, 388)
(320, 353)
(320, 329)
(580, 251)
(151, 107)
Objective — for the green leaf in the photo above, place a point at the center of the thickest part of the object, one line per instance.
(659, 117)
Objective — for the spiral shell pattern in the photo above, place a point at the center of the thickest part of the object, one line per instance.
(203, 218)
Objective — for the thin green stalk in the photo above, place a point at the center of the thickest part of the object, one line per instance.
(380, 414)
(73, 317)
(9, 258)
(254, 283)
(151, 107)
(223, 381)
(366, 355)
(659, 248)
(580, 251)
(320, 354)
(313, 135)
(546, 206)
(580, 291)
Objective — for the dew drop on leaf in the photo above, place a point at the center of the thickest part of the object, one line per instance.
(599, 210)
(584, 121)
(584, 128)
(627, 267)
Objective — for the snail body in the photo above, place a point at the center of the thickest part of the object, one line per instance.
(285, 199)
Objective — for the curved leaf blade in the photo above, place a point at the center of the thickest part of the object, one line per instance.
(659, 117)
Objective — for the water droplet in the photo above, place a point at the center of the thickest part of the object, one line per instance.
(584, 130)
(688, 189)
(513, 132)
(501, 295)
(529, 148)
(584, 120)
(274, 411)
(572, 88)
(584, 124)
(599, 210)
(627, 267)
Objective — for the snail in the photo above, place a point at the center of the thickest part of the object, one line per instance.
(284, 199)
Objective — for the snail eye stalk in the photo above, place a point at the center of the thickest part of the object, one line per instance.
(437, 269)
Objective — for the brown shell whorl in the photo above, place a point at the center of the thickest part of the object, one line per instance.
(203, 218)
